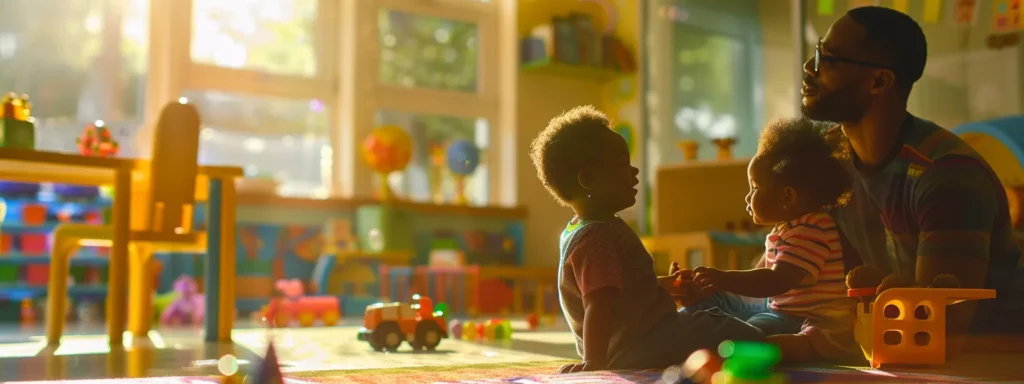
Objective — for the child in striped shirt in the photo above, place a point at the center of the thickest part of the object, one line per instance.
(797, 293)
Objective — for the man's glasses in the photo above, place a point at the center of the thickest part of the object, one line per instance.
(819, 57)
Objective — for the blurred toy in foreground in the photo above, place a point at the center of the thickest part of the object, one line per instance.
(17, 128)
(96, 140)
(189, 308)
(905, 313)
(305, 309)
(734, 362)
(387, 325)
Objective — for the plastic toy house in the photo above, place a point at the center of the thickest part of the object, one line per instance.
(907, 325)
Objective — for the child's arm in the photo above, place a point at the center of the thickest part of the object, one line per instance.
(759, 282)
(597, 326)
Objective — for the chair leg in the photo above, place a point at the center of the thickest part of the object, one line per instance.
(57, 288)
(140, 290)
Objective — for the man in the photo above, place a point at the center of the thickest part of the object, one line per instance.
(940, 205)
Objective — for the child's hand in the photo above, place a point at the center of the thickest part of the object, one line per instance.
(710, 280)
(583, 366)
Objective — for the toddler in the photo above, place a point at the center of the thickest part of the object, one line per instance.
(797, 293)
(622, 315)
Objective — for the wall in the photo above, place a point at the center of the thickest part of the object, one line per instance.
(543, 96)
(964, 80)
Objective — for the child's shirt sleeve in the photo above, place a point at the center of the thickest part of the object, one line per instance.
(805, 245)
(597, 258)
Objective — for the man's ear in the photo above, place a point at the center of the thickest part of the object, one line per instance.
(882, 81)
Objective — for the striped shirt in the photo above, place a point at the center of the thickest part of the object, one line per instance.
(938, 198)
(811, 243)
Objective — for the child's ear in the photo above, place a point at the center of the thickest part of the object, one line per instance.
(789, 196)
(585, 178)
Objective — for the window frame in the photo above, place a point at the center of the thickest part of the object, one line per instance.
(347, 80)
(497, 70)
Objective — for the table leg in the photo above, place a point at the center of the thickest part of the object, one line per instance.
(228, 260)
(213, 255)
(140, 291)
(117, 285)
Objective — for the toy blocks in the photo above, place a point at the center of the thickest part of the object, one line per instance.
(17, 130)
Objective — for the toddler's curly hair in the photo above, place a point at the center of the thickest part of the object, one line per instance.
(565, 146)
(801, 157)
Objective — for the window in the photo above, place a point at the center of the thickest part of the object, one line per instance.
(79, 61)
(272, 36)
(432, 70)
(424, 179)
(258, 73)
(288, 89)
(282, 139)
(427, 52)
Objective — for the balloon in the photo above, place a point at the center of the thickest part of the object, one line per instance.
(463, 157)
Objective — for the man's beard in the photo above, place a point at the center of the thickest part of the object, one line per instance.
(835, 106)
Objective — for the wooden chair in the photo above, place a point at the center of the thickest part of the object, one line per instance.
(163, 203)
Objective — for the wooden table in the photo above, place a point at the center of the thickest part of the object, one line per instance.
(33, 166)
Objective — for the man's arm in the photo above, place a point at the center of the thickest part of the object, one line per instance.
(956, 209)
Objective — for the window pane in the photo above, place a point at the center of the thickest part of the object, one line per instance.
(427, 52)
(79, 61)
(273, 36)
(431, 132)
(282, 139)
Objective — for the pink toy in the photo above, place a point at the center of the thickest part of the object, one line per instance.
(306, 309)
(189, 307)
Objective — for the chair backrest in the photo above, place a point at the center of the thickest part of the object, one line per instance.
(173, 170)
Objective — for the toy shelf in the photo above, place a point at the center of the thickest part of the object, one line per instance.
(20, 291)
(84, 257)
(554, 68)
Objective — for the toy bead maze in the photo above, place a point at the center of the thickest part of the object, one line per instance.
(1001, 143)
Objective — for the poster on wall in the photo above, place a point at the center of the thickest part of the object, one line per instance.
(1016, 14)
(1001, 16)
(965, 12)
(932, 11)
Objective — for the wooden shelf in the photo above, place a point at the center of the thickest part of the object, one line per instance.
(550, 67)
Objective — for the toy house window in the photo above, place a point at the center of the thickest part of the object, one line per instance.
(92, 65)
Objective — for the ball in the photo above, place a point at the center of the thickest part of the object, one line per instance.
(227, 365)
(532, 321)
(455, 329)
(463, 157)
(387, 149)
(468, 330)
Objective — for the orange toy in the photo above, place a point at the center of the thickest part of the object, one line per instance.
(386, 325)
(304, 308)
(907, 325)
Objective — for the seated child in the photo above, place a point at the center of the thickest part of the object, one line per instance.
(620, 312)
(797, 293)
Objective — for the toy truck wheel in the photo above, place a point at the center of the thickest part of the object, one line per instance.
(375, 345)
(306, 319)
(428, 335)
(388, 336)
(330, 318)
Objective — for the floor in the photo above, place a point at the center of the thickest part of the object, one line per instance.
(85, 354)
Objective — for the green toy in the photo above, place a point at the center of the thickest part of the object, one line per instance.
(17, 129)
(747, 362)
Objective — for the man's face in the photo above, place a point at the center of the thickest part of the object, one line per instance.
(839, 89)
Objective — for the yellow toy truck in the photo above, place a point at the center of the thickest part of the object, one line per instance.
(387, 325)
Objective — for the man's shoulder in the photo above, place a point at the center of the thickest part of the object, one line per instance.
(935, 143)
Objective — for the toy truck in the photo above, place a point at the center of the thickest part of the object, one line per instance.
(387, 325)
(305, 309)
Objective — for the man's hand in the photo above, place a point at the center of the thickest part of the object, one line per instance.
(710, 280)
(583, 367)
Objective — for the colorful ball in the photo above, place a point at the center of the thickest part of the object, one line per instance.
(455, 329)
(387, 149)
(468, 330)
(532, 321)
(463, 157)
